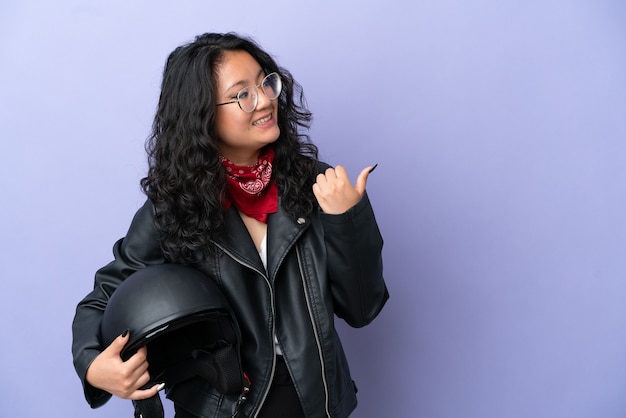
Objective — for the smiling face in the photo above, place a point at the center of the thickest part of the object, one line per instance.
(241, 135)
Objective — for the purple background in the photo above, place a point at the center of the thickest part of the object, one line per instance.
(500, 133)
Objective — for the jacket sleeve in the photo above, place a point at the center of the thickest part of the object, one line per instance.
(354, 248)
(138, 249)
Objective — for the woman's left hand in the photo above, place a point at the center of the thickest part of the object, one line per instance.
(334, 191)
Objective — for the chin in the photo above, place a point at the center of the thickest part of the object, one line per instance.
(274, 137)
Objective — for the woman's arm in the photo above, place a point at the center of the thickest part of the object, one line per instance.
(354, 250)
(353, 244)
(138, 249)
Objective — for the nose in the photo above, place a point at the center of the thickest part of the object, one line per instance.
(262, 100)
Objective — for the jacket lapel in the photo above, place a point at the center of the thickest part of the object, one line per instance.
(282, 234)
(237, 241)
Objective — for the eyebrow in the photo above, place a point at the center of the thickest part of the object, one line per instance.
(244, 83)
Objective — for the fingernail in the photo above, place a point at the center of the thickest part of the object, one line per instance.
(161, 387)
(125, 333)
(373, 168)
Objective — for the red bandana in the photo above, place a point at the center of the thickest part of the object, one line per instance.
(250, 188)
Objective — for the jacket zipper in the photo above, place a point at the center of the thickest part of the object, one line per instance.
(251, 267)
(317, 339)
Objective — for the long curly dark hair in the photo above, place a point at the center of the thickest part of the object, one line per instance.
(185, 180)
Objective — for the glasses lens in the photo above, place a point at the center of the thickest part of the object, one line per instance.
(247, 98)
(272, 86)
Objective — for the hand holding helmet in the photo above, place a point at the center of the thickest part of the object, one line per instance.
(175, 326)
(121, 378)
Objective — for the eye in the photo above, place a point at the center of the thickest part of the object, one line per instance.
(269, 82)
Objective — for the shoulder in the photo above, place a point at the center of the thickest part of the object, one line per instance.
(322, 166)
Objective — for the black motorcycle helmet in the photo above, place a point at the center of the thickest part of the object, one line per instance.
(186, 323)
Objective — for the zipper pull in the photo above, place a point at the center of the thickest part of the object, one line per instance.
(242, 397)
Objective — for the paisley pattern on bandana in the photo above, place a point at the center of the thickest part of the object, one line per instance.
(250, 188)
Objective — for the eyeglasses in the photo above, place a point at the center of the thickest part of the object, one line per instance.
(248, 97)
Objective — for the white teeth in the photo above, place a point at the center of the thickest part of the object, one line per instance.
(261, 121)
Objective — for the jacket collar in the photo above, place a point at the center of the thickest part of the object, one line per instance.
(282, 234)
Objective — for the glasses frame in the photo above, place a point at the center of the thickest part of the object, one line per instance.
(256, 97)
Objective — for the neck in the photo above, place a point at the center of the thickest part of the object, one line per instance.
(241, 158)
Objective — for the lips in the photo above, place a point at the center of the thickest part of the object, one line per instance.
(263, 120)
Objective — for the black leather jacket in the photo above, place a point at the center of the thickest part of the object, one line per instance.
(317, 267)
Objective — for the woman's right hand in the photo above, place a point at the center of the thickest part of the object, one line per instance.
(121, 378)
